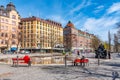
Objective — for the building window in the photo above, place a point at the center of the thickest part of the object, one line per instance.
(31, 27)
(6, 41)
(24, 27)
(31, 31)
(13, 29)
(2, 20)
(13, 23)
(13, 16)
(13, 36)
(28, 44)
(6, 20)
(2, 34)
(2, 42)
(13, 41)
(6, 35)
(2, 27)
(37, 27)
(80, 44)
(4, 14)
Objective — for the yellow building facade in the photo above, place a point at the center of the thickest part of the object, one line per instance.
(41, 35)
(9, 27)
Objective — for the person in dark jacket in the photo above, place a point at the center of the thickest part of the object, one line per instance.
(78, 53)
(109, 55)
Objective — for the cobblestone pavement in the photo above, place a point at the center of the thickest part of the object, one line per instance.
(59, 72)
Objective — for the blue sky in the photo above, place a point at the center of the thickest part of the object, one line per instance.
(95, 16)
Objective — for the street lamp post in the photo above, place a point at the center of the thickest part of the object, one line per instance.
(98, 59)
(84, 48)
(87, 48)
(109, 39)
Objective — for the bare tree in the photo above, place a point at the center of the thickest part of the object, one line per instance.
(118, 25)
(19, 39)
(95, 42)
(19, 35)
(8, 41)
(117, 38)
(54, 40)
(115, 43)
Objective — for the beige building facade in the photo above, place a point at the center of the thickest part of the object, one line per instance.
(41, 35)
(9, 27)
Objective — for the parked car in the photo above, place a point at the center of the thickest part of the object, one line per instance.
(7, 52)
(25, 52)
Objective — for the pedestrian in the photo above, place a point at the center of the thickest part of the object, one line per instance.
(78, 53)
(82, 59)
(109, 55)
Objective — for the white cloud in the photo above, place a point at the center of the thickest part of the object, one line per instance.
(100, 26)
(114, 8)
(98, 9)
(78, 18)
(80, 6)
(107, 22)
(80, 21)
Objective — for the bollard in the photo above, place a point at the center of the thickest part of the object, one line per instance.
(17, 61)
(98, 59)
(65, 61)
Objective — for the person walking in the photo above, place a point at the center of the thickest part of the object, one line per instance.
(82, 63)
(109, 55)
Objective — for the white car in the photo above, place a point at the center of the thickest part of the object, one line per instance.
(25, 52)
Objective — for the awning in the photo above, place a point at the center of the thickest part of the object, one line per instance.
(13, 49)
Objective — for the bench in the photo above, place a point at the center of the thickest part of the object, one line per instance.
(25, 60)
(81, 61)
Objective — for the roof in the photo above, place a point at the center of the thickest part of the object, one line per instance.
(33, 18)
(70, 24)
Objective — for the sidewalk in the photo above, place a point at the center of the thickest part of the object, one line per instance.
(60, 72)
